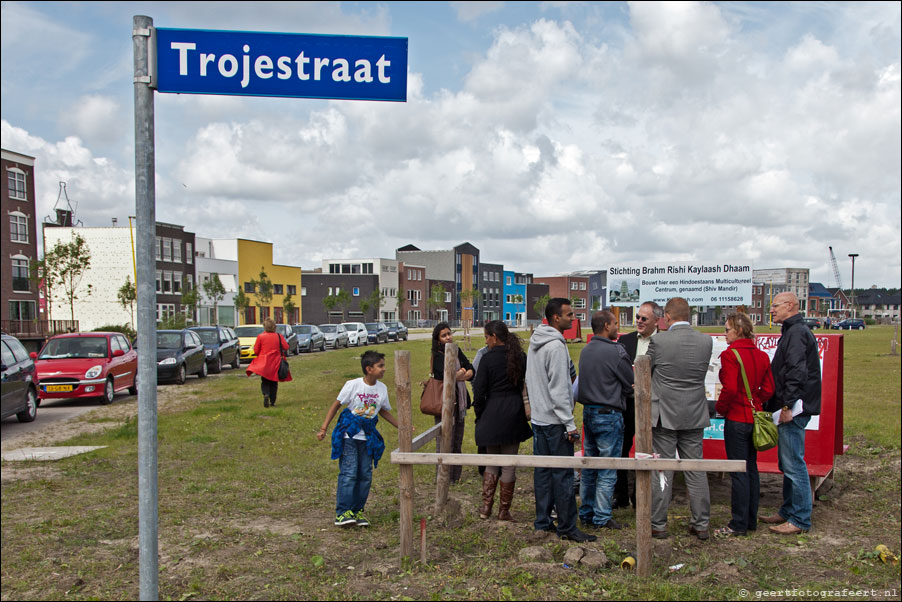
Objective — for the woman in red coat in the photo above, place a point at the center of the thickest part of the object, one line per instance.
(269, 348)
(733, 404)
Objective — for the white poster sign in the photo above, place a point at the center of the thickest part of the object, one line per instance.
(700, 283)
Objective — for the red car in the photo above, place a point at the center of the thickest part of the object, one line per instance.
(89, 364)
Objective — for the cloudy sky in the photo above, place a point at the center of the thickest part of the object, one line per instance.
(554, 136)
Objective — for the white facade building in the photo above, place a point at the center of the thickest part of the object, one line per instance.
(386, 269)
(217, 256)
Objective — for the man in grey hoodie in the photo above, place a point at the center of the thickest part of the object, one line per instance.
(551, 398)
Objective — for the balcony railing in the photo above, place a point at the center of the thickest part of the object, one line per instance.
(31, 329)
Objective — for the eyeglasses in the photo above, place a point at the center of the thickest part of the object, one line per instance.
(779, 304)
(642, 319)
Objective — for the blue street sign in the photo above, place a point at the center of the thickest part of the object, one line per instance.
(242, 63)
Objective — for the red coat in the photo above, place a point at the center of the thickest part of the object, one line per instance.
(268, 348)
(733, 403)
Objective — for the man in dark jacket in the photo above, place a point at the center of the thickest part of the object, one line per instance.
(797, 396)
(606, 374)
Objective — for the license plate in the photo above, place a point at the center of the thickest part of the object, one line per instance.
(58, 388)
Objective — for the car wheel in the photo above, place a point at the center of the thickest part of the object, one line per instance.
(217, 365)
(236, 363)
(133, 390)
(108, 392)
(203, 370)
(182, 375)
(31, 407)
(861, 328)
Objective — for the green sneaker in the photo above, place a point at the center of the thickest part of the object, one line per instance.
(361, 520)
(344, 519)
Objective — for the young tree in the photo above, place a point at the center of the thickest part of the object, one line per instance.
(64, 267)
(469, 298)
(436, 299)
(288, 306)
(401, 297)
(330, 303)
(128, 296)
(190, 298)
(344, 302)
(242, 302)
(373, 301)
(540, 304)
(263, 291)
(215, 291)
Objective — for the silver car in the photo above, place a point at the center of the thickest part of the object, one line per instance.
(336, 335)
(356, 333)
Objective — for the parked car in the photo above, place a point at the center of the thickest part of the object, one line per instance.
(220, 347)
(310, 337)
(356, 333)
(376, 332)
(179, 354)
(336, 335)
(20, 393)
(396, 331)
(290, 337)
(849, 324)
(247, 336)
(813, 323)
(89, 364)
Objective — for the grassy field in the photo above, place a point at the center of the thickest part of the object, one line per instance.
(246, 498)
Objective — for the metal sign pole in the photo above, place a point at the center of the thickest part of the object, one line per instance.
(145, 201)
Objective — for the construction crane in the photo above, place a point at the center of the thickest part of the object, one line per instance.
(835, 269)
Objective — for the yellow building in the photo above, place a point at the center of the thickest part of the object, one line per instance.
(255, 257)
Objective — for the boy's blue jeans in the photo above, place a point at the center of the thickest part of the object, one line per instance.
(355, 475)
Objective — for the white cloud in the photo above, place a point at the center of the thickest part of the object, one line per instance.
(472, 10)
(92, 117)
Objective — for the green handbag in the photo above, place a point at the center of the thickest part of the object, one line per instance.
(764, 431)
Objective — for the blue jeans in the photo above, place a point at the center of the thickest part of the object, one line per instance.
(553, 486)
(746, 486)
(796, 506)
(603, 439)
(355, 475)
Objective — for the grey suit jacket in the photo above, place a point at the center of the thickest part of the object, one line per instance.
(679, 362)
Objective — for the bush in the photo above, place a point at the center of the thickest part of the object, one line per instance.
(870, 321)
(125, 329)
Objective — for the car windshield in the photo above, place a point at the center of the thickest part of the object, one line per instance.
(329, 328)
(74, 347)
(169, 340)
(248, 331)
(372, 327)
(350, 327)
(302, 329)
(208, 337)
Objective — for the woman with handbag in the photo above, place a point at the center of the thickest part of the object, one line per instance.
(463, 371)
(502, 422)
(747, 383)
(270, 347)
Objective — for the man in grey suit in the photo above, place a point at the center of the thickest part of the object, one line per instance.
(679, 413)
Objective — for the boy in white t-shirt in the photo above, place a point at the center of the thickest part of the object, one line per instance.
(355, 441)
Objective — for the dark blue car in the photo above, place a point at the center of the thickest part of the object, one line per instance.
(220, 347)
(180, 353)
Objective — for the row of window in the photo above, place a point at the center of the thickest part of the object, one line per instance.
(351, 268)
(170, 249)
(577, 286)
(277, 289)
(170, 283)
(414, 274)
(22, 311)
(492, 277)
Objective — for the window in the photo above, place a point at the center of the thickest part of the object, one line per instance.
(22, 311)
(292, 289)
(165, 310)
(356, 291)
(18, 227)
(189, 252)
(177, 251)
(16, 184)
(447, 297)
(167, 249)
(177, 283)
(159, 281)
(508, 283)
(167, 282)
(20, 274)
(303, 291)
(574, 286)
(159, 244)
(278, 289)
(249, 288)
(367, 268)
(582, 286)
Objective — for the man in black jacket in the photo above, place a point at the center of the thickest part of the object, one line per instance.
(636, 344)
(797, 396)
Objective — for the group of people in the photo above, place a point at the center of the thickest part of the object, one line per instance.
(515, 400)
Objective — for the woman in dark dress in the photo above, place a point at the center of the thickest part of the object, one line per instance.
(441, 335)
(501, 409)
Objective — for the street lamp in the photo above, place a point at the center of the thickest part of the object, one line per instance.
(853, 256)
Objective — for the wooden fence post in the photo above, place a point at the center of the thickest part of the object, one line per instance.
(405, 437)
(643, 477)
(449, 406)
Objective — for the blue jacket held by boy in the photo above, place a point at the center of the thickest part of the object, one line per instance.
(350, 424)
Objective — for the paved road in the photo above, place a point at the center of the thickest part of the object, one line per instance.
(52, 411)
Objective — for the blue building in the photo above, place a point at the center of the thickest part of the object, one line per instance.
(515, 297)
